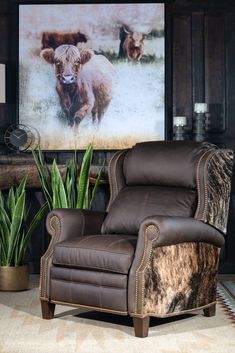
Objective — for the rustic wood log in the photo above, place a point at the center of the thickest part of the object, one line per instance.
(16, 159)
(11, 175)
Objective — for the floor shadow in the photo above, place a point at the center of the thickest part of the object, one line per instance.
(127, 320)
(29, 302)
(160, 326)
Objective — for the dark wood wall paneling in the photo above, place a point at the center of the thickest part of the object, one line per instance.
(200, 67)
(182, 67)
(215, 70)
(204, 71)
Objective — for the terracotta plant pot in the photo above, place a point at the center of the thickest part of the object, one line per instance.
(14, 278)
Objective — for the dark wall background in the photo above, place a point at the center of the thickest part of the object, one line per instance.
(200, 66)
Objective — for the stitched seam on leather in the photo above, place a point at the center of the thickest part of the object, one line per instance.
(83, 221)
(201, 208)
(147, 262)
(89, 306)
(116, 155)
(87, 266)
(198, 184)
(117, 241)
(110, 181)
(82, 240)
(112, 185)
(142, 260)
(47, 255)
(87, 284)
(198, 210)
(83, 248)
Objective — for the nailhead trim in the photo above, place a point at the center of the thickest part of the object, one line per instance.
(173, 314)
(141, 263)
(46, 257)
(115, 184)
(198, 182)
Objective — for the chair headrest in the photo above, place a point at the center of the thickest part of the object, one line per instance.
(164, 163)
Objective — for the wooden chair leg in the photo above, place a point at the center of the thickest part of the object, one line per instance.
(47, 310)
(141, 326)
(210, 311)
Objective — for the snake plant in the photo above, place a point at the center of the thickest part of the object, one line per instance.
(72, 190)
(15, 232)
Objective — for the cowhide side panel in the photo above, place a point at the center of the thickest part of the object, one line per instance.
(180, 277)
(218, 188)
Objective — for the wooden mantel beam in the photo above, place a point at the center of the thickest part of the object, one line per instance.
(12, 174)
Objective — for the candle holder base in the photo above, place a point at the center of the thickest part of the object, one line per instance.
(199, 127)
(178, 133)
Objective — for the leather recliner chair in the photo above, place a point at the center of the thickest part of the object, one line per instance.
(155, 252)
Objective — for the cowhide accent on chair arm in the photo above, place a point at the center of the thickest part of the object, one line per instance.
(64, 224)
(166, 248)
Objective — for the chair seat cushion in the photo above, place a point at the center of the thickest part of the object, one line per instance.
(113, 253)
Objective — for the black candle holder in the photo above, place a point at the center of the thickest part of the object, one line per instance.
(199, 126)
(178, 132)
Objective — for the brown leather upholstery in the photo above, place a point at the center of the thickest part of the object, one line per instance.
(99, 289)
(170, 164)
(134, 203)
(112, 253)
(175, 230)
(156, 250)
(65, 224)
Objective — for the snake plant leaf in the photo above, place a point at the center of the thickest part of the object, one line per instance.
(59, 200)
(11, 201)
(1, 199)
(3, 255)
(69, 193)
(73, 191)
(70, 183)
(16, 223)
(96, 185)
(14, 232)
(33, 225)
(21, 188)
(83, 180)
(16, 248)
(5, 225)
(46, 171)
(4, 236)
(44, 176)
(4, 218)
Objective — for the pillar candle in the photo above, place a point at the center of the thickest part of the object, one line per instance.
(201, 108)
(179, 120)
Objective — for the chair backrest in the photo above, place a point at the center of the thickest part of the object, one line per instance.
(171, 178)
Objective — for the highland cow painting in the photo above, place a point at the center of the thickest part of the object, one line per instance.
(92, 73)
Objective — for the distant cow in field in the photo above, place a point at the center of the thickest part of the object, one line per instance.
(55, 39)
(131, 44)
(84, 81)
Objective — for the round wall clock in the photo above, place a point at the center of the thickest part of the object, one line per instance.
(20, 137)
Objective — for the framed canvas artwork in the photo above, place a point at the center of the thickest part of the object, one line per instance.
(92, 73)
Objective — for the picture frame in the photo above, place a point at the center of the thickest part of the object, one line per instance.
(131, 115)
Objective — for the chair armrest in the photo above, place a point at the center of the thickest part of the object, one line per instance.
(162, 231)
(158, 231)
(63, 224)
(174, 230)
(66, 223)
